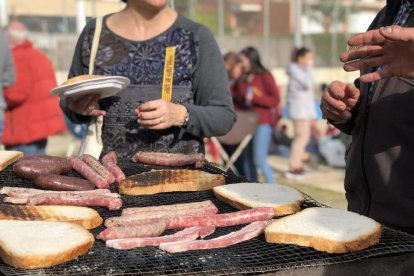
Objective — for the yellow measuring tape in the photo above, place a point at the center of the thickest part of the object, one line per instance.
(167, 80)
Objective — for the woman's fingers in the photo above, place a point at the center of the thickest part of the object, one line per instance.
(153, 114)
(98, 112)
(158, 123)
(85, 105)
(150, 115)
(151, 105)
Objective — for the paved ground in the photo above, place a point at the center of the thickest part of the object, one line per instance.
(323, 178)
(325, 184)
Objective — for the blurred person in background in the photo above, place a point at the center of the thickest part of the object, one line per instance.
(234, 72)
(234, 68)
(313, 155)
(257, 91)
(282, 141)
(301, 109)
(132, 44)
(7, 75)
(32, 114)
(379, 116)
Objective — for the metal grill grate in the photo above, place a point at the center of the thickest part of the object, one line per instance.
(250, 257)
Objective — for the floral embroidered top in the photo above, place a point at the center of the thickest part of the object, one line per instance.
(199, 83)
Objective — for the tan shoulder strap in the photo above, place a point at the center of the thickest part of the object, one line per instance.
(95, 44)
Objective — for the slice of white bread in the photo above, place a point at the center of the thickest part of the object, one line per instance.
(325, 229)
(8, 157)
(86, 217)
(40, 244)
(284, 199)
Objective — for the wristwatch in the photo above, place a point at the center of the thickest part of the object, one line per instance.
(186, 117)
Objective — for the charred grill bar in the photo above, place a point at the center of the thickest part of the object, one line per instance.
(395, 250)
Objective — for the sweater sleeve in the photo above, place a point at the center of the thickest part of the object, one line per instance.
(9, 75)
(17, 93)
(270, 98)
(77, 68)
(213, 113)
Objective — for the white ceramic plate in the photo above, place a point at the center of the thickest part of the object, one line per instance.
(105, 86)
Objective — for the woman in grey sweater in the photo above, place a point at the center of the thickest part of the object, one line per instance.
(300, 103)
(133, 44)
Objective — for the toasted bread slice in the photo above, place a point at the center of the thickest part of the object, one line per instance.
(40, 244)
(83, 216)
(325, 229)
(284, 199)
(8, 157)
(163, 181)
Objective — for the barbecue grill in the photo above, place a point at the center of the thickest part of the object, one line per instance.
(250, 257)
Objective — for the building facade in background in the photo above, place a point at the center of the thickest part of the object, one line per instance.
(265, 24)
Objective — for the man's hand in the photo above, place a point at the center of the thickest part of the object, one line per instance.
(392, 47)
(85, 105)
(160, 114)
(338, 101)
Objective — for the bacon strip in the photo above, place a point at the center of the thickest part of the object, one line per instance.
(152, 229)
(110, 162)
(127, 220)
(112, 203)
(248, 232)
(206, 204)
(169, 159)
(187, 234)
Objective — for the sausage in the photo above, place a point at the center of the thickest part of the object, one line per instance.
(110, 162)
(98, 167)
(56, 182)
(30, 169)
(87, 172)
(63, 162)
(169, 159)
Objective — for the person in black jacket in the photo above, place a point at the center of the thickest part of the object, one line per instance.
(379, 116)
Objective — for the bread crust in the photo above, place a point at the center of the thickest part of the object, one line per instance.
(81, 78)
(280, 210)
(16, 156)
(48, 213)
(45, 261)
(322, 244)
(166, 188)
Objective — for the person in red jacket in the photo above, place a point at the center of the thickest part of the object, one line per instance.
(257, 91)
(32, 114)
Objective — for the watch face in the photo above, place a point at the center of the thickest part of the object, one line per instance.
(186, 117)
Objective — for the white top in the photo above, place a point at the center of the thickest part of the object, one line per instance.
(300, 94)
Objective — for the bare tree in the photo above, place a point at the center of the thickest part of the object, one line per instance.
(328, 12)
